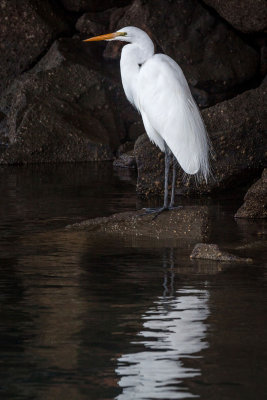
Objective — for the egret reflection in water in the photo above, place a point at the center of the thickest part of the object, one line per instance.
(174, 329)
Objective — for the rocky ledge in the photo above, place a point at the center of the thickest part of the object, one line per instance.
(255, 204)
(212, 252)
(190, 222)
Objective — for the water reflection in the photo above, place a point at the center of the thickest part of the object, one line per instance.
(173, 329)
(80, 313)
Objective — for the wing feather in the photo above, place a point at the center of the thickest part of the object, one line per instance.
(165, 98)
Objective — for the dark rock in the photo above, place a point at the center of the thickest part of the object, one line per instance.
(246, 16)
(212, 252)
(27, 30)
(187, 223)
(94, 23)
(126, 160)
(91, 28)
(92, 5)
(68, 108)
(263, 67)
(125, 148)
(214, 59)
(136, 130)
(255, 205)
(150, 166)
(112, 51)
(237, 129)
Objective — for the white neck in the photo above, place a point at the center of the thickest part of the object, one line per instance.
(133, 55)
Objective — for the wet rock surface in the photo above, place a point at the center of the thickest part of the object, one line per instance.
(126, 160)
(237, 129)
(192, 36)
(27, 30)
(247, 15)
(212, 252)
(255, 204)
(187, 223)
(63, 109)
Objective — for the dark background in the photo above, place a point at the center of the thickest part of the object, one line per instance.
(62, 100)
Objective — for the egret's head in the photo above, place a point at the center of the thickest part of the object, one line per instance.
(128, 34)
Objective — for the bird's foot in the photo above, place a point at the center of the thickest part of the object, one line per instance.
(158, 210)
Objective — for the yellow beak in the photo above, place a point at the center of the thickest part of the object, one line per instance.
(105, 37)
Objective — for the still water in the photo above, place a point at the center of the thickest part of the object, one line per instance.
(94, 318)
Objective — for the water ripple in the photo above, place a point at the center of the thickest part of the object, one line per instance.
(174, 329)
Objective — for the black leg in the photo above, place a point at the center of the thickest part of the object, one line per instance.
(166, 180)
(173, 182)
(165, 207)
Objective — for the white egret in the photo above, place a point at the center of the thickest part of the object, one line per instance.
(156, 86)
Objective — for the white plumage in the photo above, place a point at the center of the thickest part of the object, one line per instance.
(173, 114)
(156, 86)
